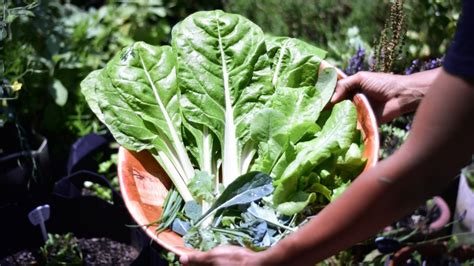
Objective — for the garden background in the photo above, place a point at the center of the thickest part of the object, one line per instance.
(48, 47)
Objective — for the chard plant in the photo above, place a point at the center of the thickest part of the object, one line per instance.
(236, 119)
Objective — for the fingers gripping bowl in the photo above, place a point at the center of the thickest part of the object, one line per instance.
(144, 184)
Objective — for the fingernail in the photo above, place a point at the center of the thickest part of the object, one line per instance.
(184, 259)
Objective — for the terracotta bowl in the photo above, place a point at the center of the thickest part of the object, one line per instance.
(144, 184)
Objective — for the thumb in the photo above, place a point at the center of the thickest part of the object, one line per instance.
(184, 259)
(195, 258)
(346, 87)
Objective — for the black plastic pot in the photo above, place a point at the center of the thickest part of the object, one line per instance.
(84, 216)
(24, 162)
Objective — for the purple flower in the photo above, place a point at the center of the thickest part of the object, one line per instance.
(433, 63)
(418, 66)
(414, 67)
(356, 62)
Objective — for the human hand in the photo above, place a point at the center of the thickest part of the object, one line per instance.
(389, 95)
(224, 255)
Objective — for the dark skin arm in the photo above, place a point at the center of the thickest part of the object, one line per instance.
(439, 144)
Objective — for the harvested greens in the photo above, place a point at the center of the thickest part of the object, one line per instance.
(236, 120)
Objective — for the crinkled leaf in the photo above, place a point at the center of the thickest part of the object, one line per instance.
(136, 136)
(351, 163)
(288, 156)
(266, 129)
(88, 87)
(295, 111)
(296, 203)
(321, 189)
(202, 186)
(336, 134)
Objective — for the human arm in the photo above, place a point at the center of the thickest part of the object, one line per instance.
(389, 95)
(439, 144)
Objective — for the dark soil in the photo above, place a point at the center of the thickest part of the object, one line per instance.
(95, 251)
(24, 257)
(105, 251)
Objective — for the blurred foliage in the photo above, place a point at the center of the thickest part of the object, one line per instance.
(393, 134)
(107, 168)
(431, 26)
(52, 46)
(48, 47)
(339, 26)
(344, 26)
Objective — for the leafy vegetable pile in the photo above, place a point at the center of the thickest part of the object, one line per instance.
(236, 120)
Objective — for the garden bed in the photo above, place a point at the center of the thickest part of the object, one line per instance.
(95, 251)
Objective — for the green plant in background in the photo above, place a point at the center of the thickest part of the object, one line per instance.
(49, 46)
(107, 167)
(430, 27)
(170, 257)
(390, 45)
(61, 250)
(393, 135)
(341, 27)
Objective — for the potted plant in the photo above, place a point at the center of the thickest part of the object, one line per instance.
(465, 205)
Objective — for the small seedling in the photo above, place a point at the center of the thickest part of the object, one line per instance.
(61, 250)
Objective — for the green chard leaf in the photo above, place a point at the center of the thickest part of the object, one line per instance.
(223, 77)
(222, 94)
(299, 98)
(88, 87)
(294, 62)
(139, 100)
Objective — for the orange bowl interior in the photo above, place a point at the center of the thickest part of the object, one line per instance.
(144, 184)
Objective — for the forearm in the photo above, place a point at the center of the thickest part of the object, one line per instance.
(422, 80)
(439, 144)
(414, 88)
(367, 206)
